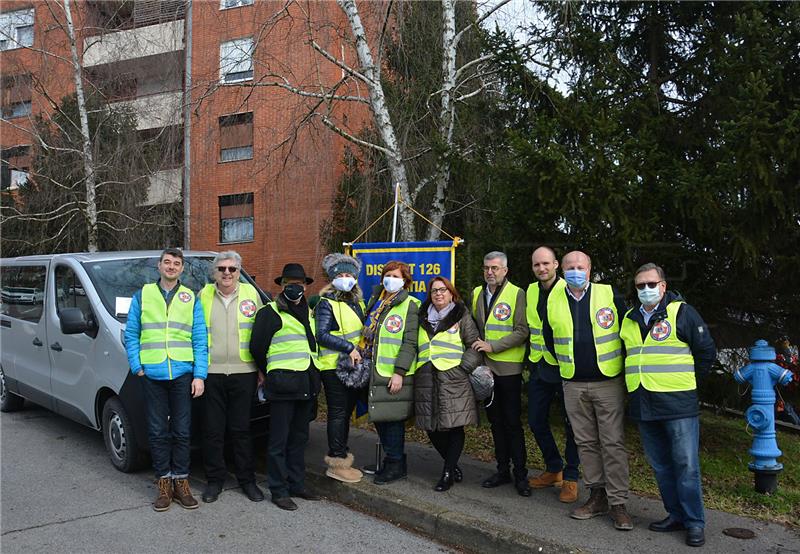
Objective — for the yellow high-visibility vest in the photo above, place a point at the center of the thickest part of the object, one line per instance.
(538, 350)
(500, 322)
(444, 350)
(245, 315)
(350, 326)
(390, 338)
(166, 331)
(288, 348)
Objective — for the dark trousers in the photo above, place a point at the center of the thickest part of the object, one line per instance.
(449, 444)
(393, 439)
(227, 409)
(541, 395)
(341, 402)
(505, 414)
(168, 405)
(288, 437)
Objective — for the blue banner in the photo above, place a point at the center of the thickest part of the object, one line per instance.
(425, 259)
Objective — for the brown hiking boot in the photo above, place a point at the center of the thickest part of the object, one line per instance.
(622, 520)
(597, 505)
(546, 479)
(164, 498)
(183, 494)
(569, 492)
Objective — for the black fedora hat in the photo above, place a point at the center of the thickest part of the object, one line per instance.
(293, 271)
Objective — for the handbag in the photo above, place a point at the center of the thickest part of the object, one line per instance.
(482, 381)
(353, 377)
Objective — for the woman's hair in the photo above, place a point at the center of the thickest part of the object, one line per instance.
(448, 284)
(404, 270)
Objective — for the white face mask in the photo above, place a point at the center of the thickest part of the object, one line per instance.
(648, 296)
(393, 284)
(344, 284)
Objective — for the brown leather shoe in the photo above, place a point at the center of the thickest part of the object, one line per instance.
(183, 494)
(164, 498)
(597, 505)
(569, 492)
(622, 520)
(546, 479)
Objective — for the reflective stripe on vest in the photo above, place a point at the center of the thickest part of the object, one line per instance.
(246, 308)
(390, 339)
(166, 331)
(605, 330)
(538, 348)
(288, 348)
(662, 362)
(500, 322)
(350, 326)
(444, 350)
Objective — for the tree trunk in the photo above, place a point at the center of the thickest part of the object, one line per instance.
(88, 161)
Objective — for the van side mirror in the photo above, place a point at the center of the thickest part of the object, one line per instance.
(73, 321)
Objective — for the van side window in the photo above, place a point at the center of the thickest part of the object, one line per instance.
(22, 291)
(70, 292)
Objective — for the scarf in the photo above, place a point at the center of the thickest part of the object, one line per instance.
(373, 320)
(435, 316)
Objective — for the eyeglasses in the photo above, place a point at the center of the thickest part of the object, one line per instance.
(492, 268)
(650, 285)
(227, 269)
(440, 290)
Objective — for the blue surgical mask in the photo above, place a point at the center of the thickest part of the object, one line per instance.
(648, 296)
(575, 278)
(393, 284)
(344, 284)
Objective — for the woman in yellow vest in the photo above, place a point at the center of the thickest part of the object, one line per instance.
(443, 398)
(339, 317)
(389, 339)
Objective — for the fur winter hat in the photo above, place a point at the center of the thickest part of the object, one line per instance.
(336, 263)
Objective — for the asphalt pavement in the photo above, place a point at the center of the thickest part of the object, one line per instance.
(60, 493)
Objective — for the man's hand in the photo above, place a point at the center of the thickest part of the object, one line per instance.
(395, 384)
(140, 373)
(198, 386)
(261, 378)
(482, 346)
(355, 357)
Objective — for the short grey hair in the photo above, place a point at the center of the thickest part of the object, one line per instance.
(226, 255)
(649, 267)
(496, 254)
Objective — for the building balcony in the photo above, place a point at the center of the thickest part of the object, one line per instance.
(164, 188)
(131, 44)
(156, 110)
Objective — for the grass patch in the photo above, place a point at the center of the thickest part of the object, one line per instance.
(724, 445)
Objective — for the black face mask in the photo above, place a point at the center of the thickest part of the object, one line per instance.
(293, 292)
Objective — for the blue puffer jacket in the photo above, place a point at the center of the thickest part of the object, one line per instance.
(326, 322)
(168, 369)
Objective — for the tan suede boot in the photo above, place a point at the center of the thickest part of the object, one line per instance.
(342, 469)
(164, 499)
(569, 492)
(546, 479)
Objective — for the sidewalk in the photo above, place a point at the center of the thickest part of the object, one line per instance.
(498, 520)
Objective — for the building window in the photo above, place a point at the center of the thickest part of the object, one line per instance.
(236, 137)
(225, 4)
(15, 96)
(236, 217)
(16, 29)
(236, 60)
(15, 167)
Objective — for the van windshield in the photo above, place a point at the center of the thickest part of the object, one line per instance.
(116, 281)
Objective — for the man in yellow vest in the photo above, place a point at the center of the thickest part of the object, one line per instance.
(229, 307)
(167, 348)
(283, 346)
(585, 319)
(499, 311)
(667, 343)
(545, 385)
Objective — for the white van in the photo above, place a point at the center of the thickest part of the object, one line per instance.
(62, 322)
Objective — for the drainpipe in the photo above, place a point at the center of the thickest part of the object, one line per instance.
(187, 131)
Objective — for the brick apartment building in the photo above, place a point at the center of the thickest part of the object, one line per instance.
(253, 183)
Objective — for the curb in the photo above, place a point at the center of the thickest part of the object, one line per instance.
(447, 527)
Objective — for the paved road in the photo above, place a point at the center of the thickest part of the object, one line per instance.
(60, 493)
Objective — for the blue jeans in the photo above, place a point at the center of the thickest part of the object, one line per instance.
(168, 405)
(540, 397)
(672, 449)
(393, 438)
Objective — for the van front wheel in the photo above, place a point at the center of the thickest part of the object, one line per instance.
(118, 434)
(9, 402)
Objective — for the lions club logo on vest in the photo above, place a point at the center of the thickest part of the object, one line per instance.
(394, 323)
(605, 317)
(247, 307)
(661, 330)
(184, 296)
(502, 311)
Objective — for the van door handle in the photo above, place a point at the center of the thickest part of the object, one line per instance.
(36, 341)
(57, 347)
(5, 323)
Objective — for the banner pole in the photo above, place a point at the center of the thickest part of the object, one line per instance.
(394, 217)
